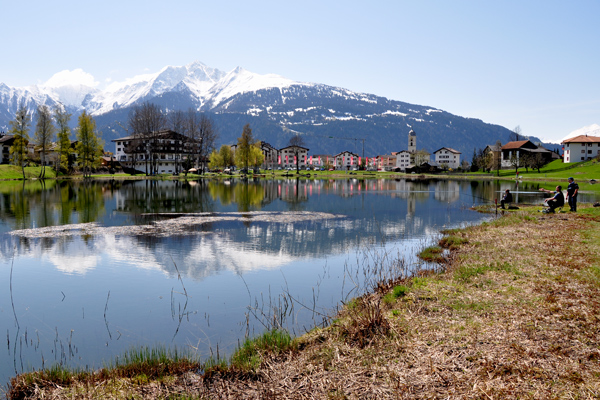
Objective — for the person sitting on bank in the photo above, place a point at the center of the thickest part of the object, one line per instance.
(507, 198)
(558, 200)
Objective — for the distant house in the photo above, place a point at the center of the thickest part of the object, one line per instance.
(271, 155)
(522, 148)
(447, 157)
(402, 159)
(346, 160)
(495, 152)
(581, 148)
(292, 155)
(322, 160)
(387, 162)
(6, 141)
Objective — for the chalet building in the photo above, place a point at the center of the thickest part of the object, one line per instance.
(346, 160)
(51, 156)
(522, 148)
(6, 141)
(581, 148)
(447, 157)
(495, 152)
(292, 155)
(169, 149)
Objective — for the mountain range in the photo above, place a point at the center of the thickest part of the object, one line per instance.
(330, 119)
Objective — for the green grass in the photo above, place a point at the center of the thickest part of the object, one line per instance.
(13, 172)
(465, 273)
(152, 362)
(248, 356)
(397, 292)
(452, 242)
(431, 254)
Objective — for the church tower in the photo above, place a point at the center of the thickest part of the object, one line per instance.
(412, 141)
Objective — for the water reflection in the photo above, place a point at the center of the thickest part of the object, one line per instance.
(106, 287)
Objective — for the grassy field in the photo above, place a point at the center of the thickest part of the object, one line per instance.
(512, 313)
(12, 172)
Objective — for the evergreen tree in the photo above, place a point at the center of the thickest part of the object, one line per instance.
(63, 137)
(89, 146)
(44, 132)
(20, 129)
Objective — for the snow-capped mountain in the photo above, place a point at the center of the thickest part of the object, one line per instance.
(590, 130)
(209, 85)
(331, 119)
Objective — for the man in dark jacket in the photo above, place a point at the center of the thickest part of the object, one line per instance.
(572, 190)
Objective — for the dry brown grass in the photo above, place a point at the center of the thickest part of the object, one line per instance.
(516, 315)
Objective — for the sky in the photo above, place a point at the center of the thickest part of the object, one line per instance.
(532, 64)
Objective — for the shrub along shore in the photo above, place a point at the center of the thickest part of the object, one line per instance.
(513, 312)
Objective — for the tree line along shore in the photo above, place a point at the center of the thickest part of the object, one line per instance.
(511, 311)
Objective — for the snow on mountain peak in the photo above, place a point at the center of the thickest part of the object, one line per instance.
(590, 130)
(79, 89)
(77, 77)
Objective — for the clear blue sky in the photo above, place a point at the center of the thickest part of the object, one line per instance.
(535, 64)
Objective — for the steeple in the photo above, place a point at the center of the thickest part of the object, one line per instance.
(412, 141)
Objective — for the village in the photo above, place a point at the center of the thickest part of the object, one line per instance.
(173, 150)
(514, 154)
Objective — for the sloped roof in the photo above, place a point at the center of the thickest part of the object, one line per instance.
(519, 144)
(583, 139)
(449, 149)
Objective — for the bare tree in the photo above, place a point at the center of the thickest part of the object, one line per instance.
(19, 127)
(516, 134)
(146, 121)
(203, 134)
(297, 143)
(44, 131)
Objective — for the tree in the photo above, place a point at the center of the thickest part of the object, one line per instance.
(421, 157)
(146, 121)
(226, 155)
(516, 134)
(515, 161)
(222, 158)
(297, 143)
(44, 133)
(19, 127)
(215, 160)
(63, 137)
(526, 161)
(89, 146)
(242, 152)
(538, 161)
(201, 129)
(257, 157)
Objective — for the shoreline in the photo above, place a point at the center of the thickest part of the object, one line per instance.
(513, 314)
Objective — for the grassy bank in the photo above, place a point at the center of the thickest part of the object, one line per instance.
(514, 314)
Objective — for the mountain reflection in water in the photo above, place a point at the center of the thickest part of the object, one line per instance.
(92, 268)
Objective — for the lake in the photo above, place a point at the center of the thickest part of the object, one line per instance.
(91, 269)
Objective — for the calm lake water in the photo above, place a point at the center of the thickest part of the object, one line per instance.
(202, 264)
